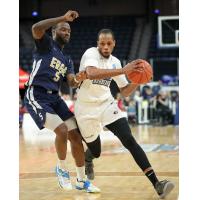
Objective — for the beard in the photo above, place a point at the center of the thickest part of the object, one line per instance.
(62, 41)
(105, 56)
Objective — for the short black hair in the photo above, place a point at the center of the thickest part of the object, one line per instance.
(105, 31)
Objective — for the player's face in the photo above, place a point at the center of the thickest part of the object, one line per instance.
(106, 44)
(62, 32)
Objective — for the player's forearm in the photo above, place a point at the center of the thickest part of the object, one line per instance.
(72, 81)
(39, 28)
(47, 23)
(73, 84)
(128, 89)
(95, 73)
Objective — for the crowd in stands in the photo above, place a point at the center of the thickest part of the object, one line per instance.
(151, 105)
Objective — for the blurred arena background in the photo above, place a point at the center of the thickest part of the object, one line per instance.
(141, 32)
(147, 29)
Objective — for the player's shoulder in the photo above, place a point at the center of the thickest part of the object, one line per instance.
(92, 51)
(116, 60)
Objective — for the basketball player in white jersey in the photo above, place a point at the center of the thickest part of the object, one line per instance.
(95, 107)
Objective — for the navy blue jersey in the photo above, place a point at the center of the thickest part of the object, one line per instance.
(50, 65)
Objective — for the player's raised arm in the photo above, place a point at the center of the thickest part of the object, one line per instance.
(38, 29)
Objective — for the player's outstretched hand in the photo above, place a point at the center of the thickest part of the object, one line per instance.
(81, 76)
(134, 66)
(70, 15)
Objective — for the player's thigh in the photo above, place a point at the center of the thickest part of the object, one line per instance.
(62, 110)
(111, 114)
(90, 128)
(42, 114)
(38, 115)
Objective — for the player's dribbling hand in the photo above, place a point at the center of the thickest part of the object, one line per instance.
(81, 76)
(135, 65)
(70, 15)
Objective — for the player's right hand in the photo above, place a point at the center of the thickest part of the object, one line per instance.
(70, 15)
(135, 65)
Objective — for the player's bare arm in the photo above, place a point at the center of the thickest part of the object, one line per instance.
(75, 80)
(96, 73)
(128, 89)
(38, 29)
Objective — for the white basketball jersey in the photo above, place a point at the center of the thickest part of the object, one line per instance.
(98, 91)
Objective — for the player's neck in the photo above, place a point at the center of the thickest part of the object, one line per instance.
(60, 44)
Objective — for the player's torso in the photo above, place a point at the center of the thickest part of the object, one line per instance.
(97, 90)
(48, 68)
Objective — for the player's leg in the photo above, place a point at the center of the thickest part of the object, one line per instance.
(55, 123)
(93, 151)
(122, 130)
(88, 122)
(41, 114)
(90, 129)
(77, 149)
(78, 154)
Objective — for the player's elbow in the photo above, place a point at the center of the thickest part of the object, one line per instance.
(89, 74)
(37, 32)
(125, 94)
(34, 28)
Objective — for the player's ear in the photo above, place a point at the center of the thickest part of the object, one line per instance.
(113, 43)
(53, 31)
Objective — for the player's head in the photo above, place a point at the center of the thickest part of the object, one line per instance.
(105, 42)
(61, 32)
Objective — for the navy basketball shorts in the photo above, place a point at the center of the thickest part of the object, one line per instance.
(47, 109)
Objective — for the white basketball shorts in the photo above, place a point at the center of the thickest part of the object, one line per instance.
(92, 117)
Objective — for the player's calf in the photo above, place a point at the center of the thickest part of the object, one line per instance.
(89, 170)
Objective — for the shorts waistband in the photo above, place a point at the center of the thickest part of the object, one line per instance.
(41, 89)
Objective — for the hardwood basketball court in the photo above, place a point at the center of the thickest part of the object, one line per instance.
(117, 175)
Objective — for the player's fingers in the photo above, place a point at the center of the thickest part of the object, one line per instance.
(138, 66)
(74, 14)
(77, 14)
(138, 61)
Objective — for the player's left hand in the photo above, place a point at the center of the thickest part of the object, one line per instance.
(71, 15)
(81, 76)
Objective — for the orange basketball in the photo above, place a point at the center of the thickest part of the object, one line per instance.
(142, 77)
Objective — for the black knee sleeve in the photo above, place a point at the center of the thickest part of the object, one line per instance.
(95, 147)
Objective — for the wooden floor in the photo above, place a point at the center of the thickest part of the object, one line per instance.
(117, 174)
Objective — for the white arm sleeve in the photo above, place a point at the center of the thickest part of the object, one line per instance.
(121, 79)
(89, 58)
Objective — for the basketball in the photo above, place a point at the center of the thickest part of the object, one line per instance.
(141, 77)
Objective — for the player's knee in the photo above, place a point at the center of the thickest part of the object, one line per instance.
(96, 153)
(61, 132)
(74, 137)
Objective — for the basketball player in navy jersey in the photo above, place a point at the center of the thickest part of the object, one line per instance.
(43, 102)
